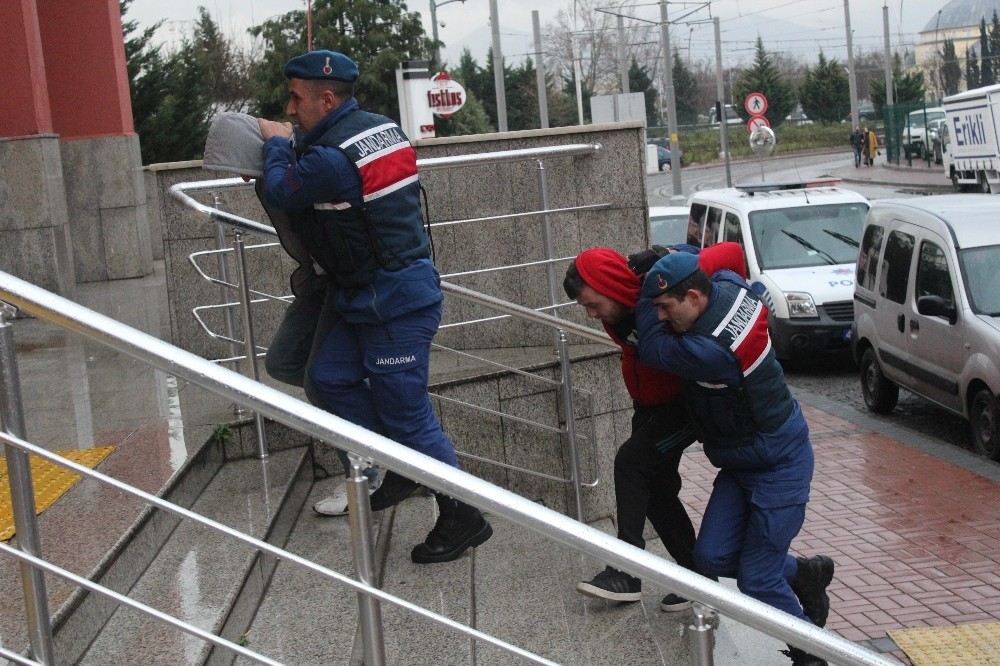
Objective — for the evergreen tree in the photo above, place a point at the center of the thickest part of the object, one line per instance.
(994, 40)
(986, 74)
(825, 91)
(971, 69)
(951, 71)
(685, 92)
(909, 87)
(763, 76)
(376, 34)
(175, 95)
(146, 78)
(521, 92)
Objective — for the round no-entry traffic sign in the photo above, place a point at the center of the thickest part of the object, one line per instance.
(755, 122)
(755, 104)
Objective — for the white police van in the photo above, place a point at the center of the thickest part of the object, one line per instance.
(801, 243)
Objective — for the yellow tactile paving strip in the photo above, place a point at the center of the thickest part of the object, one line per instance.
(963, 645)
(50, 482)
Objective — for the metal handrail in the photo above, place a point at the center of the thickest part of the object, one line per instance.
(435, 474)
(264, 546)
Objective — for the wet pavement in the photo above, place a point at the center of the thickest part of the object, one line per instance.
(912, 526)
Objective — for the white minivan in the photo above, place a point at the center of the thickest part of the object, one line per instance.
(801, 243)
(927, 307)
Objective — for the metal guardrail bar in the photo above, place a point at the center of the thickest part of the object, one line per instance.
(522, 312)
(515, 216)
(126, 601)
(235, 534)
(452, 161)
(15, 658)
(541, 262)
(181, 190)
(454, 482)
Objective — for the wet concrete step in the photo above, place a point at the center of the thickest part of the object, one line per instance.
(304, 618)
(204, 578)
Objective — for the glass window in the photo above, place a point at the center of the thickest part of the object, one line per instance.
(667, 230)
(733, 232)
(696, 220)
(871, 245)
(896, 266)
(981, 270)
(933, 278)
(714, 221)
(800, 236)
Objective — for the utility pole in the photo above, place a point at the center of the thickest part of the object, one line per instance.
(852, 75)
(498, 77)
(668, 78)
(889, 92)
(574, 53)
(543, 99)
(720, 93)
(622, 64)
(434, 33)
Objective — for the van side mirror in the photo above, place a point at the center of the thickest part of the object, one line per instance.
(935, 306)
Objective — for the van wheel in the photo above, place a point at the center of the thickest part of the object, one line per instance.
(983, 417)
(880, 394)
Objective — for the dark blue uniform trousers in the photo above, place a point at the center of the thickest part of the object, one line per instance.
(393, 356)
(740, 538)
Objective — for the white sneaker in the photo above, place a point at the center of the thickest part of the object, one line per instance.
(336, 504)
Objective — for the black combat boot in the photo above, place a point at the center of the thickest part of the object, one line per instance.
(394, 489)
(803, 658)
(810, 583)
(458, 527)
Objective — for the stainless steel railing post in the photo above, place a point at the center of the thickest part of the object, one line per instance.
(228, 320)
(569, 413)
(369, 608)
(550, 253)
(249, 344)
(701, 635)
(36, 605)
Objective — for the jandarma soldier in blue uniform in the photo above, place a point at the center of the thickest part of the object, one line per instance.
(350, 187)
(713, 334)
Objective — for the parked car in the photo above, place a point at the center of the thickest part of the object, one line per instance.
(668, 225)
(663, 157)
(798, 119)
(915, 139)
(801, 242)
(927, 308)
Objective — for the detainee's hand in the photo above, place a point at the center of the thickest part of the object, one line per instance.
(270, 128)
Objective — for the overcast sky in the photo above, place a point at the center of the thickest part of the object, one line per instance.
(466, 24)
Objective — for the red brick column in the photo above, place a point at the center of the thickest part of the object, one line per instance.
(85, 67)
(24, 104)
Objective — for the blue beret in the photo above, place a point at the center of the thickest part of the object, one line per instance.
(669, 271)
(322, 65)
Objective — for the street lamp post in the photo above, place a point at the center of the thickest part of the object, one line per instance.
(434, 26)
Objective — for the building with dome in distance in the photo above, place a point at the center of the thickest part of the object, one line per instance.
(957, 20)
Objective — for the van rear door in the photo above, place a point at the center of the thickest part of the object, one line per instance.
(892, 314)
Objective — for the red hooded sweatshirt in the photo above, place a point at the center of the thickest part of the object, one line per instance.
(607, 272)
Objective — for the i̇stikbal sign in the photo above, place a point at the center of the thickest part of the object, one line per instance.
(422, 96)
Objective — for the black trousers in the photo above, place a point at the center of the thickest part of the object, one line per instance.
(647, 480)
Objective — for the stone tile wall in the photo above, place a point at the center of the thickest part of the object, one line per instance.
(34, 232)
(106, 200)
